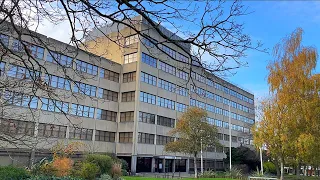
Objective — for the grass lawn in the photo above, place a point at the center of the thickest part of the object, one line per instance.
(152, 178)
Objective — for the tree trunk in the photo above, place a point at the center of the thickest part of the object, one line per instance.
(195, 166)
(276, 163)
(298, 167)
(281, 169)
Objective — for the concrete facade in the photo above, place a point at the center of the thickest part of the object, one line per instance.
(155, 103)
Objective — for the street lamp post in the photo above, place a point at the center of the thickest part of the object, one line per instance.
(229, 137)
(201, 156)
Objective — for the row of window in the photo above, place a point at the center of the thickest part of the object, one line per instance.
(220, 111)
(203, 93)
(9, 126)
(220, 87)
(226, 137)
(151, 119)
(57, 58)
(220, 123)
(152, 80)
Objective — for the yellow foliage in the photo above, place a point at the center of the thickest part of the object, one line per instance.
(62, 165)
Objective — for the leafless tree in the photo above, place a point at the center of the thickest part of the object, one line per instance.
(210, 32)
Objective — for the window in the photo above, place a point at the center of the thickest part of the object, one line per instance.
(167, 68)
(128, 96)
(225, 125)
(108, 95)
(198, 77)
(82, 111)
(86, 67)
(145, 138)
(149, 79)
(181, 74)
(147, 98)
(22, 72)
(59, 59)
(86, 89)
(169, 51)
(197, 103)
(210, 108)
(105, 136)
(218, 98)
(182, 58)
(110, 75)
(166, 85)
(181, 107)
(182, 91)
(226, 137)
(218, 123)
(150, 42)
(106, 115)
(218, 110)
(129, 77)
(147, 117)
(151, 61)
(234, 138)
(19, 99)
(131, 39)
(209, 95)
(17, 45)
(54, 105)
(163, 140)
(220, 136)
(80, 133)
(210, 121)
(126, 116)
(201, 92)
(209, 82)
(57, 82)
(165, 121)
(219, 149)
(4, 39)
(52, 130)
(167, 103)
(125, 137)
(36, 51)
(129, 58)
(2, 68)
(14, 127)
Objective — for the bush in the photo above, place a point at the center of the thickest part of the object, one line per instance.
(13, 173)
(87, 171)
(62, 165)
(234, 173)
(116, 170)
(208, 174)
(124, 172)
(104, 162)
(124, 164)
(53, 178)
(269, 167)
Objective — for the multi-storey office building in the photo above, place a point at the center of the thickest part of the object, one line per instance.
(132, 97)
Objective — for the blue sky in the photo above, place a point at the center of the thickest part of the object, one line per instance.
(270, 22)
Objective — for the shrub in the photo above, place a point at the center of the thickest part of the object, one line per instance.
(62, 165)
(269, 167)
(208, 174)
(116, 170)
(124, 172)
(234, 173)
(104, 162)
(53, 178)
(13, 173)
(87, 171)
(124, 164)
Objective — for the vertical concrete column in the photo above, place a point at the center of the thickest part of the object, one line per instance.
(174, 166)
(153, 163)
(188, 165)
(163, 165)
(133, 164)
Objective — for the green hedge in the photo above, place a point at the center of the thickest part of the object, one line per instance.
(13, 173)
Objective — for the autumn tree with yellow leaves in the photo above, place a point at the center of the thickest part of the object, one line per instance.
(290, 125)
(193, 131)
